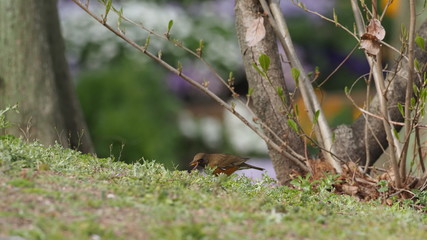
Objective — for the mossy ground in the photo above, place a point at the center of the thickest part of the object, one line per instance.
(56, 193)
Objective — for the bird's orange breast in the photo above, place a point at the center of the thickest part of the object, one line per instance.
(227, 171)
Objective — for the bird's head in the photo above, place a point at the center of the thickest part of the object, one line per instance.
(199, 160)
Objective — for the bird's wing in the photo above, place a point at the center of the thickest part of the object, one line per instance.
(227, 161)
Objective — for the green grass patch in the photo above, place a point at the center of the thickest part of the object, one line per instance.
(56, 193)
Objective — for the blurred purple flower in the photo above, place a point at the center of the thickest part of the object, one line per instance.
(320, 6)
(220, 8)
(197, 72)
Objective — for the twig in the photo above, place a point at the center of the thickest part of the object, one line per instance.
(409, 87)
(379, 117)
(420, 153)
(393, 49)
(362, 180)
(402, 190)
(358, 18)
(367, 126)
(339, 66)
(385, 9)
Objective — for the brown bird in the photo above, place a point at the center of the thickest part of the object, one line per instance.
(221, 163)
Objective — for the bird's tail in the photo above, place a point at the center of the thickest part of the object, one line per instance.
(252, 166)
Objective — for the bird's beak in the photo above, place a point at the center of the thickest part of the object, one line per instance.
(195, 164)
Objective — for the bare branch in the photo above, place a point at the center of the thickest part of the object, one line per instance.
(409, 88)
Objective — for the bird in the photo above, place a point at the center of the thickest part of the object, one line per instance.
(221, 162)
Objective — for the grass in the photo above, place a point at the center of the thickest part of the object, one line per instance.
(56, 193)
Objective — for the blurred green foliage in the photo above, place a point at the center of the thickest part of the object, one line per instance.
(130, 113)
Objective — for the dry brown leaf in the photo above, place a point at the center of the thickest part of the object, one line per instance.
(255, 32)
(376, 29)
(370, 41)
(371, 45)
(320, 168)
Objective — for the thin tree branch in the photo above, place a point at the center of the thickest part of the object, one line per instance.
(409, 87)
(367, 126)
(420, 152)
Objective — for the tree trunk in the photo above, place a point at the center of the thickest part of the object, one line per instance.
(350, 142)
(34, 75)
(265, 100)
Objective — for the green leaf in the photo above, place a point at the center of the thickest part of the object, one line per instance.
(346, 91)
(264, 61)
(296, 110)
(404, 32)
(107, 9)
(413, 102)
(230, 79)
(119, 20)
(396, 133)
(383, 186)
(293, 125)
(281, 95)
(417, 65)
(280, 91)
(316, 70)
(295, 75)
(179, 68)
(335, 17)
(316, 116)
(259, 70)
(400, 107)
(301, 5)
(147, 42)
(170, 24)
(415, 89)
(250, 91)
(199, 50)
(423, 94)
(420, 42)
